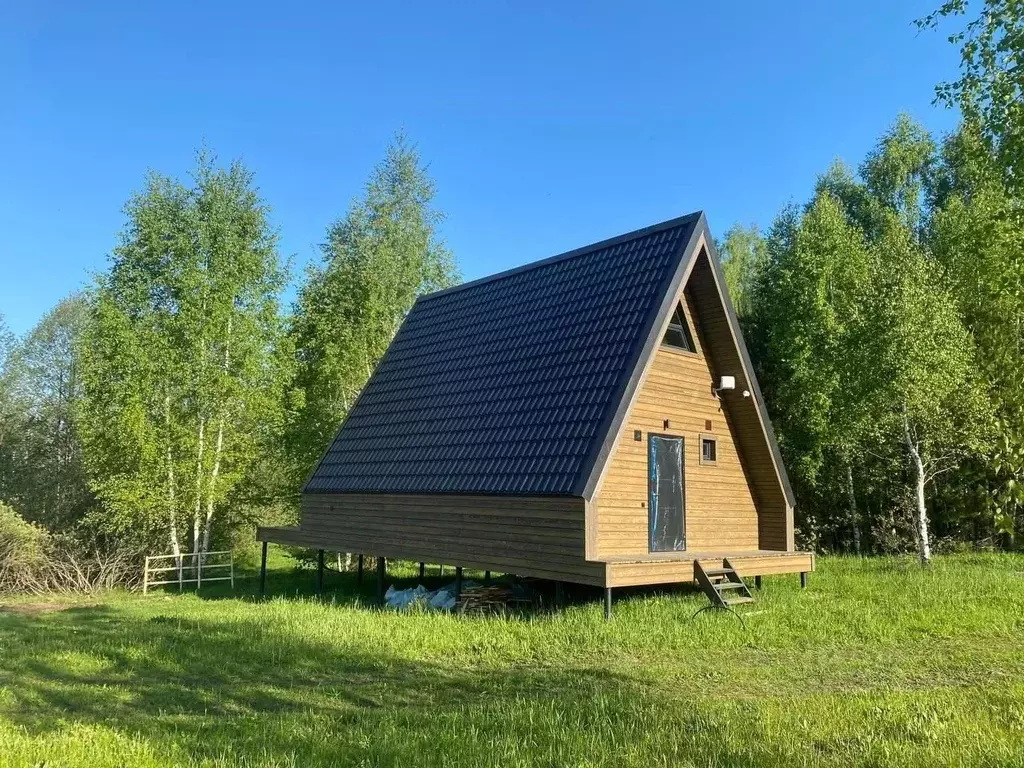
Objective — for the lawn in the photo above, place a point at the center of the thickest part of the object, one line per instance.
(879, 662)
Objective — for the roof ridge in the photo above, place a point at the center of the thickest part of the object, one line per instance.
(643, 231)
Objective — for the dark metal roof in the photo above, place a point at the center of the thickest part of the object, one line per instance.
(511, 384)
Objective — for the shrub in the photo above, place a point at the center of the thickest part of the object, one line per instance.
(35, 561)
(22, 551)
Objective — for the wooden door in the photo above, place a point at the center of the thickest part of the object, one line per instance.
(667, 517)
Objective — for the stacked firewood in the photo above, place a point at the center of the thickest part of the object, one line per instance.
(494, 598)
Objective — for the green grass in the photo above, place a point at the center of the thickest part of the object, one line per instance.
(879, 662)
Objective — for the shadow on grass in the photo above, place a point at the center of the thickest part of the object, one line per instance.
(343, 588)
(264, 696)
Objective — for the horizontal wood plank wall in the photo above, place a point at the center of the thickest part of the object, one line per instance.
(720, 508)
(530, 536)
(776, 519)
(636, 574)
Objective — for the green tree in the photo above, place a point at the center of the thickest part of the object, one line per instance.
(807, 302)
(7, 342)
(861, 348)
(977, 234)
(9, 410)
(841, 183)
(896, 173)
(376, 260)
(918, 361)
(990, 90)
(893, 177)
(741, 250)
(49, 485)
(183, 358)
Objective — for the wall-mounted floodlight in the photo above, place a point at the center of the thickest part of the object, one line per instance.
(725, 384)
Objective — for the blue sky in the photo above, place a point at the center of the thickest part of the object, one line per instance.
(546, 125)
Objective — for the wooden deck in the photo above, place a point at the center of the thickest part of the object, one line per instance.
(674, 567)
(611, 571)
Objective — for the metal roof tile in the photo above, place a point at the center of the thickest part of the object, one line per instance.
(501, 385)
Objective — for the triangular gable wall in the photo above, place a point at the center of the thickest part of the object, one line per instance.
(726, 353)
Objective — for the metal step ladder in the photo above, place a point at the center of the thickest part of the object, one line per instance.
(723, 586)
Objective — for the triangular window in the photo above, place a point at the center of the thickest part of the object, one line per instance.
(678, 333)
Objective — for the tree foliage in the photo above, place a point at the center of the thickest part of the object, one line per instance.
(46, 479)
(990, 90)
(169, 404)
(806, 307)
(183, 359)
(742, 250)
(920, 362)
(978, 237)
(376, 260)
(8, 409)
(866, 361)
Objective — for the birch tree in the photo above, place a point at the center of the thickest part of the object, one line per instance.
(919, 362)
(182, 359)
(862, 351)
(990, 90)
(134, 377)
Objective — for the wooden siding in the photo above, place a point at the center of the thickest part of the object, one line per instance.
(530, 536)
(721, 513)
(775, 519)
(628, 574)
(622, 572)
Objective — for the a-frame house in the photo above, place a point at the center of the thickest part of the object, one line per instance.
(590, 418)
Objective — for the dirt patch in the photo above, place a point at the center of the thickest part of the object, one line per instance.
(33, 609)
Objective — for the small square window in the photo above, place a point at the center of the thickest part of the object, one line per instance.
(708, 450)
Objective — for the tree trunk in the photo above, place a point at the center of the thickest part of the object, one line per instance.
(172, 511)
(852, 501)
(218, 447)
(200, 401)
(214, 472)
(197, 512)
(921, 528)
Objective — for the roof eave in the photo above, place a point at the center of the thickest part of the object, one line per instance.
(591, 472)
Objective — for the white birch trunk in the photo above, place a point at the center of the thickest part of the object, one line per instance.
(200, 382)
(197, 512)
(218, 448)
(214, 472)
(921, 524)
(172, 511)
